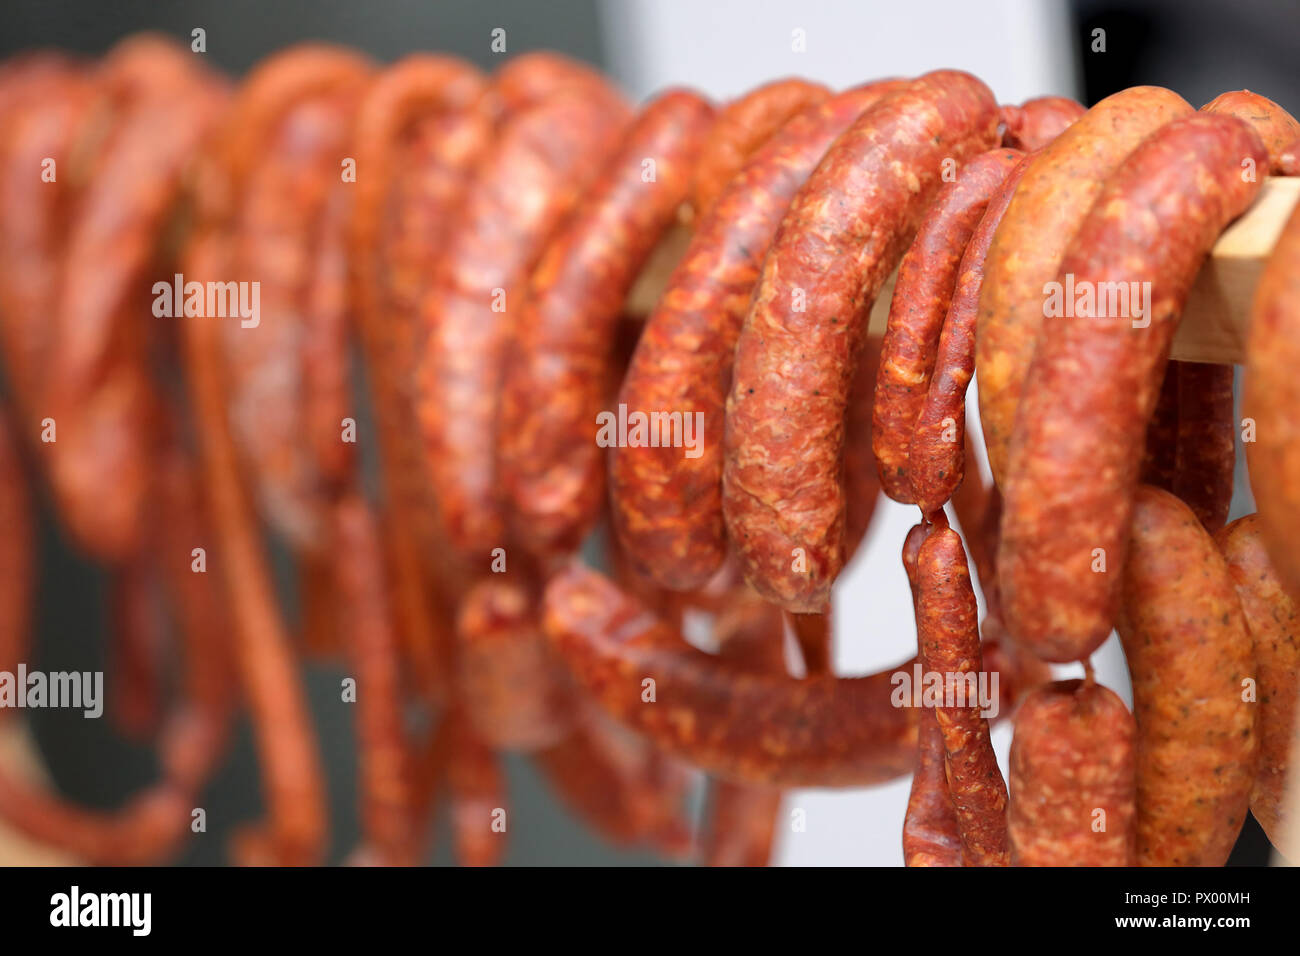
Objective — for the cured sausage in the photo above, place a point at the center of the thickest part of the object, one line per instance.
(752, 728)
(927, 277)
(385, 786)
(552, 469)
(949, 643)
(1096, 374)
(1277, 128)
(419, 128)
(1072, 778)
(742, 126)
(667, 507)
(846, 228)
(742, 819)
(930, 835)
(1189, 655)
(1271, 617)
(936, 454)
(1160, 454)
(1272, 394)
(295, 792)
(1035, 123)
(861, 481)
(542, 162)
(17, 546)
(930, 832)
(1055, 194)
(476, 791)
(1207, 430)
(506, 676)
(96, 386)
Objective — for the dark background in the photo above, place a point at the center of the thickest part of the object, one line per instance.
(1196, 48)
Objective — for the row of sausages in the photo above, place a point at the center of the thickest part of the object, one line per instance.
(480, 238)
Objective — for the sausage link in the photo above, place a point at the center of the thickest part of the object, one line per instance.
(420, 127)
(936, 453)
(1272, 395)
(618, 788)
(930, 833)
(783, 498)
(1094, 380)
(1274, 625)
(1072, 778)
(1160, 453)
(752, 728)
(530, 178)
(1277, 128)
(744, 125)
(552, 470)
(279, 216)
(1052, 200)
(1189, 655)
(97, 386)
(667, 508)
(927, 278)
(137, 644)
(385, 786)
(294, 786)
(476, 789)
(1206, 433)
(1035, 123)
(949, 643)
(17, 549)
(505, 673)
(742, 819)
(526, 80)
(861, 480)
(38, 121)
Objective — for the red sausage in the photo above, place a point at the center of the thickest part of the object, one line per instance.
(846, 228)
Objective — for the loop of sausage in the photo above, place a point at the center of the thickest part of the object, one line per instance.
(741, 127)
(930, 832)
(1053, 198)
(1197, 744)
(281, 221)
(760, 729)
(1035, 123)
(742, 819)
(476, 791)
(783, 497)
(949, 643)
(1272, 396)
(504, 669)
(927, 279)
(552, 469)
(421, 125)
(1072, 778)
(666, 507)
(1270, 610)
(1095, 378)
(936, 455)
(273, 691)
(619, 786)
(42, 108)
(17, 549)
(385, 785)
(1277, 128)
(97, 386)
(150, 826)
(529, 179)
